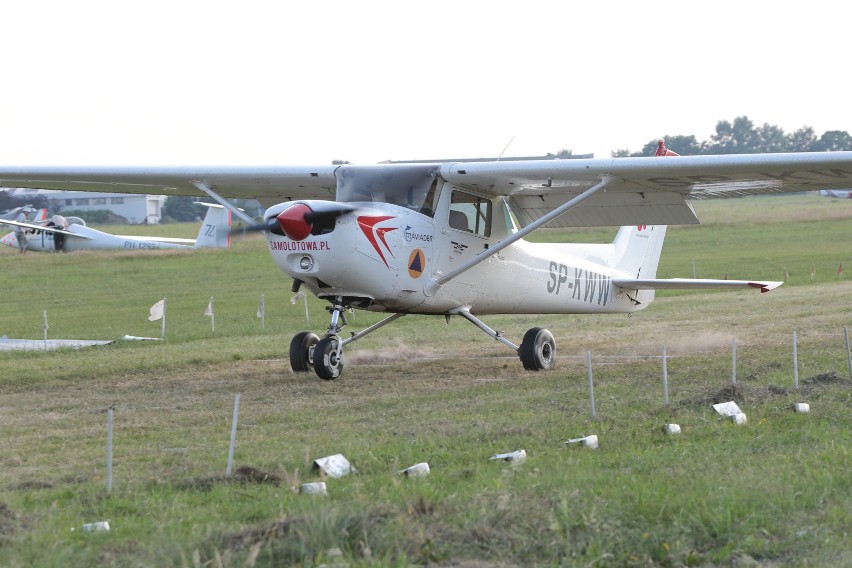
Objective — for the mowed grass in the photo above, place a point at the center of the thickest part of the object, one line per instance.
(776, 491)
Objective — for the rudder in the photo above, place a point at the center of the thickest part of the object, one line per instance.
(638, 249)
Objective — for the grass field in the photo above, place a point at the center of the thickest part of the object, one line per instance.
(776, 491)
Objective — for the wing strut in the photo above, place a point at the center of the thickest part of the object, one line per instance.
(205, 187)
(435, 283)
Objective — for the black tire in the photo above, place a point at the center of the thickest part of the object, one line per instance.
(538, 350)
(300, 351)
(328, 358)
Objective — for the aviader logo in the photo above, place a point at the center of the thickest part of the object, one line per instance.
(375, 234)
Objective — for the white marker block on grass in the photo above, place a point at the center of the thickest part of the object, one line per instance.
(590, 441)
(519, 456)
(417, 470)
(333, 466)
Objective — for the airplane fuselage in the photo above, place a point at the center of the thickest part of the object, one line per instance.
(387, 257)
(88, 239)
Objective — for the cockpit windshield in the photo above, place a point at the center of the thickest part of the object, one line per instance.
(411, 186)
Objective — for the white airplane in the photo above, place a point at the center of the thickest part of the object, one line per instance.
(215, 231)
(843, 194)
(447, 238)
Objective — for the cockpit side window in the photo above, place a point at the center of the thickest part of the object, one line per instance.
(470, 213)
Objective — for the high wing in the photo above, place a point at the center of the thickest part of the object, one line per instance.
(267, 184)
(40, 228)
(641, 190)
(648, 190)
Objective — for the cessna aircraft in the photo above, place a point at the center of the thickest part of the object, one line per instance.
(215, 232)
(447, 238)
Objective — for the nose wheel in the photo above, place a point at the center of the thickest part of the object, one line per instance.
(302, 349)
(323, 356)
(328, 358)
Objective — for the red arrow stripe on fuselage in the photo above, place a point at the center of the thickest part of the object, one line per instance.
(368, 226)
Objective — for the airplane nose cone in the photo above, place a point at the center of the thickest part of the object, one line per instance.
(292, 222)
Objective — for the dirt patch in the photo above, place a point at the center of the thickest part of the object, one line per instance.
(31, 485)
(244, 475)
(740, 394)
(829, 378)
(9, 522)
(392, 354)
(703, 342)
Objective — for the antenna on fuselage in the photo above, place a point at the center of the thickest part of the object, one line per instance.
(504, 149)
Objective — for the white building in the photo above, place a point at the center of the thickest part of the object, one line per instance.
(135, 208)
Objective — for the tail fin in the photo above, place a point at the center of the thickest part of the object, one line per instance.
(638, 249)
(215, 230)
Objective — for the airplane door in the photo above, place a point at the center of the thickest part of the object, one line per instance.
(465, 221)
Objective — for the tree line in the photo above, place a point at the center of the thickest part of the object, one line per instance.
(742, 137)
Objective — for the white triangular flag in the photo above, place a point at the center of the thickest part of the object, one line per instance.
(157, 310)
(260, 307)
(209, 310)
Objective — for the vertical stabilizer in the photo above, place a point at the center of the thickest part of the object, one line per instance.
(638, 249)
(215, 230)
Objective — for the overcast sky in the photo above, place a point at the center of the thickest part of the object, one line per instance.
(250, 82)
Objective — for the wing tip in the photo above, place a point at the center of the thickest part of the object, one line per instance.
(765, 286)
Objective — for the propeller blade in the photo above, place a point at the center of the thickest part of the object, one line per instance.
(269, 225)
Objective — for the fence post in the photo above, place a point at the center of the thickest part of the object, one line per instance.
(665, 378)
(795, 361)
(591, 382)
(734, 362)
(109, 452)
(233, 436)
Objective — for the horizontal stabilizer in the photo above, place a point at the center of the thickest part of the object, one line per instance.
(691, 283)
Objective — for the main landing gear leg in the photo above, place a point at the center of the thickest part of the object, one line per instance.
(325, 356)
(537, 351)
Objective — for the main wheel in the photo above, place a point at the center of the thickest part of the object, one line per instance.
(301, 347)
(328, 358)
(538, 350)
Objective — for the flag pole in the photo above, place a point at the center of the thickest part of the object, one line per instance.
(163, 321)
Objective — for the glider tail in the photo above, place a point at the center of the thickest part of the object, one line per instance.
(215, 230)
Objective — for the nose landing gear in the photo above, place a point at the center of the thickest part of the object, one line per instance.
(325, 356)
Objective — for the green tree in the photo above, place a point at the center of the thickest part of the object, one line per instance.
(181, 208)
(741, 137)
(737, 138)
(561, 154)
(802, 140)
(833, 141)
(769, 138)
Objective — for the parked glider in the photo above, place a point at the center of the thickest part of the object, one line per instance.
(40, 215)
(70, 234)
(447, 238)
